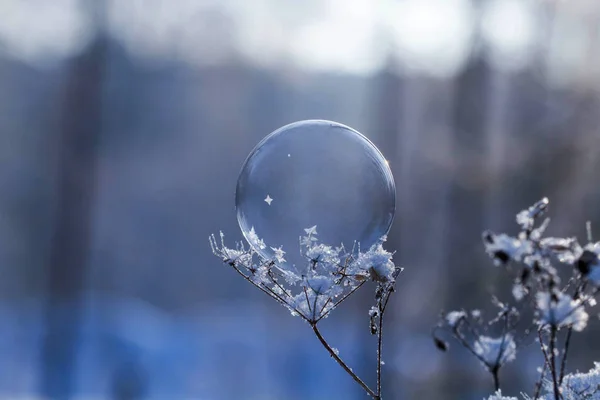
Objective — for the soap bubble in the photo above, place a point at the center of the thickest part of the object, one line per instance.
(314, 173)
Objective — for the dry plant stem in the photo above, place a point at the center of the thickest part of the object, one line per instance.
(379, 349)
(577, 295)
(563, 363)
(553, 362)
(495, 370)
(544, 352)
(382, 308)
(496, 376)
(463, 341)
(333, 354)
(538, 385)
(337, 303)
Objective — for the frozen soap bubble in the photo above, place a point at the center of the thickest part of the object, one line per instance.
(314, 173)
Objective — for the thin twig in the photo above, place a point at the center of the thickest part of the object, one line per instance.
(495, 370)
(255, 284)
(495, 373)
(458, 335)
(337, 303)
(269, 292)
(333, 354)
(563, 363)
(553, 362)
(379, 348)
(307, 300)
(538, 385)
(325, 305)
(578, 291)
(543, 348)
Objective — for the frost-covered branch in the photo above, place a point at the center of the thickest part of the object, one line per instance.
(314, 290)
(541, 262)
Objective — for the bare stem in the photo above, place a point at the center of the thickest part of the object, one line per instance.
(379, 352)
(576, 296)
(538, 385)
(563, 363)
(553, 362)
(333, 354)
(495, 373)
(542, 347)
(382, 306)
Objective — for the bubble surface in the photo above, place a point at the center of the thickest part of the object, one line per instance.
(311, 173)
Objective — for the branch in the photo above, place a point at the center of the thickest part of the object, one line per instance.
(563, 363)
(538, 385)
(337, 303)
(576, 296)
(333, 354)
(379, 348)
(382, 306)
(553, 362)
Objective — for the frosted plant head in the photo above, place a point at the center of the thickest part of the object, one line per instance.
(330, 274)
(314, 173)
(491, 342)
(561, 310)
(496, 350)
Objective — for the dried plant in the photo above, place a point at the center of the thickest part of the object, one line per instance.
(538, 291)
(314, 290)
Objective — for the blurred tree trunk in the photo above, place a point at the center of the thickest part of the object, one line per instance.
(77, 148)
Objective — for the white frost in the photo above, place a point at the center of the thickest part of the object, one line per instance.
(453, 317)
(564, 312)
(498, 396)
(496, 351)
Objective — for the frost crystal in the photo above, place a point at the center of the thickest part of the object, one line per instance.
(577, 386)
(373, 312)
(453, 317)
(329, 277)
(496, 351)
(375, 263)
(526, 218)
(323, 254)
(278, 254)
(253, 238)
(519, 291)
(498, 396)
(311, 231)
(503, 248)
(561, 311)
(566, 249)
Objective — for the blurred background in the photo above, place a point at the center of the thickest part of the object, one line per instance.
(123, 127)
